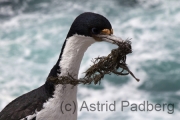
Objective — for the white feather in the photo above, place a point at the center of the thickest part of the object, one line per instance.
(70, 63)
(29, 117)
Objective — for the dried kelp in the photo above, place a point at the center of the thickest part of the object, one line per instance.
(115, 63)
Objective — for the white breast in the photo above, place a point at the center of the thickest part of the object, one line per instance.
(70, 63)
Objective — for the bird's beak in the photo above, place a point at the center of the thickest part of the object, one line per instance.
(107, 35)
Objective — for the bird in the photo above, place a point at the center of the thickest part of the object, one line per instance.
(46, 101)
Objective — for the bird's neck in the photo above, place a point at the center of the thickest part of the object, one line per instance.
(69, 63)
(70, 60)
(72, 54)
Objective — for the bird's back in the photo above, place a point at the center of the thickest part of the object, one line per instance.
(28, 103)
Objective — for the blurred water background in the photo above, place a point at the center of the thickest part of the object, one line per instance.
(32, 33)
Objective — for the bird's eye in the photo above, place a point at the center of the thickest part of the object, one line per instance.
(95, 31)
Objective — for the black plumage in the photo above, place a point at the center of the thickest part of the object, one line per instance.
(27, 104)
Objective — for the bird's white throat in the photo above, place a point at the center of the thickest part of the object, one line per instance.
(73, 53)
(69, 64)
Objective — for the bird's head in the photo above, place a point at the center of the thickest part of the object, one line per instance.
(92, 25)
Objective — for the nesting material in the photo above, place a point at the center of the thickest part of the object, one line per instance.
(114, 63)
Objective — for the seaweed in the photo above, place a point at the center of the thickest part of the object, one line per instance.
(114, 63)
